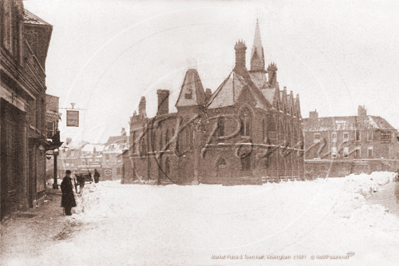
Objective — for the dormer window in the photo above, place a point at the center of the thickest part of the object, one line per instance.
(189, 94)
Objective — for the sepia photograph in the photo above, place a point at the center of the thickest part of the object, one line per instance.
(199, 132)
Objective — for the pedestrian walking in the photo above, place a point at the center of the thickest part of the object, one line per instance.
(96, 176)
(68, 198)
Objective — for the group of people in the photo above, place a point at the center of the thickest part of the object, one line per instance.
(68, 198)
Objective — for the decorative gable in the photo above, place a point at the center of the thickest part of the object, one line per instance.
(191, 93)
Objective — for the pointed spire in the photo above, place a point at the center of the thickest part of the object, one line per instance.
(257, 55)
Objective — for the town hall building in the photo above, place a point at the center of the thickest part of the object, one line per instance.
(248, 131)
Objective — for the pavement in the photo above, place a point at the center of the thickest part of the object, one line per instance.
(23, 233)
(387, 197)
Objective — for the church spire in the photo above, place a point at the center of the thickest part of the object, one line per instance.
(257, 55)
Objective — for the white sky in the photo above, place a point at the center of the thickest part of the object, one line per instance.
(104, 55)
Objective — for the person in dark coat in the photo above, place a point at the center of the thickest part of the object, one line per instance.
(96, 176)
(68, 199)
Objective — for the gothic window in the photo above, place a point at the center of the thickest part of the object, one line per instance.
(222, 163)
(167, 137)
(160, 140)
(134, 142)
(167, 167)
(245, 122)
(263, 130)
(189, 94)
(221, 122)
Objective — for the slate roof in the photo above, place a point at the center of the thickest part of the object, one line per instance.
(191, 82)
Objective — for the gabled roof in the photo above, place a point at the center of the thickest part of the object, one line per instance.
(229, 91)
(191, 93)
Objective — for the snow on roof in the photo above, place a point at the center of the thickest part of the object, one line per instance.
(31, 18)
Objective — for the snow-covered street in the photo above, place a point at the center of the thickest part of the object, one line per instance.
(274, 224)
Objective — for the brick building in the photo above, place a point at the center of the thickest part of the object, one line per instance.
(24, 42)
(247, 132)
(338, 146)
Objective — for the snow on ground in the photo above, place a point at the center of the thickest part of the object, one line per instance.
(131, 224)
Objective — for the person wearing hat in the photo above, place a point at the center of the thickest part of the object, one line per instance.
(68, 198)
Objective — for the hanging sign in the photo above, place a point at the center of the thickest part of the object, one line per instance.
(72, 118)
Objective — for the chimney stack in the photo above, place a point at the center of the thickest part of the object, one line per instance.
(208, 94)
(163, 102)
(142, 106)
(361, 110)
(313, 114)
(240, 48)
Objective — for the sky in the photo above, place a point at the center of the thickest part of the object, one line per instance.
(105, 55)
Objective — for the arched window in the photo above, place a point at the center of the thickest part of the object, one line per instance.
(263, 130)
(160, 140)
(221, 122)
(222, 163)
(245, 118)
(153, 141)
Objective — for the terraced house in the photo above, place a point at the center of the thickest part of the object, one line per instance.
(247, 131)
(339, 146)
(24, 42)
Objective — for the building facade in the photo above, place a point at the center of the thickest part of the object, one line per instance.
(112, 166)
(24, 42)
(338, 146)
(247, 132)
(53, 116)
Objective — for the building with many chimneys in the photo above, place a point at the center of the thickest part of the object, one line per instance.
(341, 145)
(248, 131)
